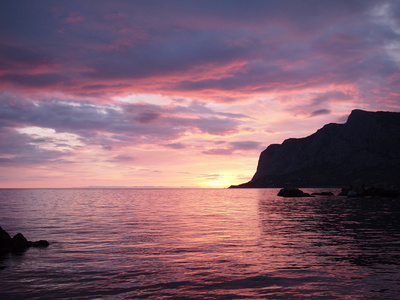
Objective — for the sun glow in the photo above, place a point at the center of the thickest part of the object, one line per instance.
(220, 181)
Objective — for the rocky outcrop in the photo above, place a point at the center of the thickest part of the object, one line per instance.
(359, 189)
(292, 193)
(367, 146)
(5, 242)
(18, 243)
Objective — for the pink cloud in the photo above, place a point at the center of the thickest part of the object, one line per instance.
(74, 17)
(226, 74)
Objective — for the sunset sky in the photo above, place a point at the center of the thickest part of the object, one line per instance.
(181, 93)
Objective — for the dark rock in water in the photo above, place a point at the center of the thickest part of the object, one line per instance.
(40, 244)
(382, 192)
(323, 194)
(18, 243)
(5, 242)
(292, 192)
(367, 146)
(345, 191)
(4, 236)
(358, 189)
(352, 193)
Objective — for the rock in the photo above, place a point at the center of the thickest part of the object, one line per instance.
(18, 243)
(376, 190)
(367, 146)
(5, 242)
(358, 187)
(352, 193)
(382, 191)
(292, 192)
(344, 191)
(40, 244)
(4, 236)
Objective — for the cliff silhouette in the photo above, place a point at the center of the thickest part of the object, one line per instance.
(367, 146)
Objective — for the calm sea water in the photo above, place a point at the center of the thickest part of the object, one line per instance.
(200, 244)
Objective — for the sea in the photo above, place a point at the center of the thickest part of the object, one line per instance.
(200, 244)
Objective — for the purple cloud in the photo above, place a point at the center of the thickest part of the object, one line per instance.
(17, 57)
(146, 117)
(155, 40)
(37, 80)
(176, 146)
(109, 126)
(234, 146)
(122, 158)
(218, 151)
(320, 112)
(21, 150)
(245, 145)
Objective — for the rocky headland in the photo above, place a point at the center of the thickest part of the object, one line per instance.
(365, 149)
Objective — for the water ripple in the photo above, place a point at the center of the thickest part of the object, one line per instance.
(200, 244)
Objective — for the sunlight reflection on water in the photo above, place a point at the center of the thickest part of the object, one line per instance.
(200, 243)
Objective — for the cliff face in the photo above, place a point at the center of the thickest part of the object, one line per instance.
(367, 146)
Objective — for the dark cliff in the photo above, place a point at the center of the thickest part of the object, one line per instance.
(367, 146)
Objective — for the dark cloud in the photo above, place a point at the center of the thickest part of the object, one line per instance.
(320, 112)
(94, 87)
(245, 145)
(20, 57)
(269, 131)
(218, 151)
(37, 80)
(170, 53)
(37, 158)
(106, 147)
(234, 146)
(322, 98)
(146, 117)
(13, 143)
(122, 158)
(196, 107)
(312, 106)
(176, 146)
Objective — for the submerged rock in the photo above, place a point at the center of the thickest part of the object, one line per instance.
(292, 192)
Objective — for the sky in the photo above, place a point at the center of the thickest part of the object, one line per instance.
(181, 93)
